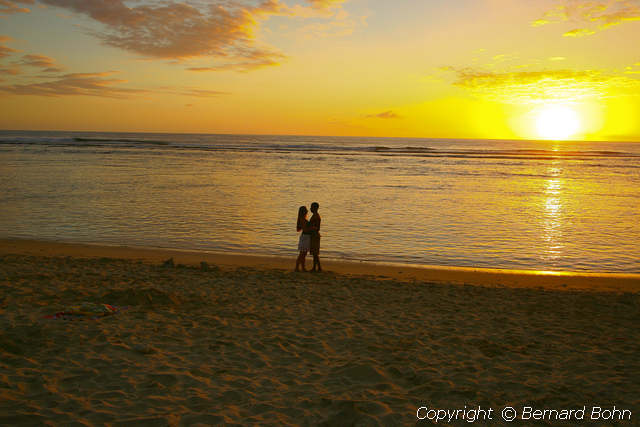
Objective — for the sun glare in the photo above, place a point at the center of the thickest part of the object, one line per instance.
(557, 122)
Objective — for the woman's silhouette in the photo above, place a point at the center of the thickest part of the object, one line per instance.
(304, 244)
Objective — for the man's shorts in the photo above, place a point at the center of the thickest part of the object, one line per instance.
(315, 244)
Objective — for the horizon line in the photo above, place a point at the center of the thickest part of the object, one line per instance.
(331, 136)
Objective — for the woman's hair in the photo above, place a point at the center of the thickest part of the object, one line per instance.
(302, 211)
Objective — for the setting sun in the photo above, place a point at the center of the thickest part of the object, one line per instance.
(557, 122)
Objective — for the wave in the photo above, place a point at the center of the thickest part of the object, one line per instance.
(135, 141)
(300, 145)
(402, 149)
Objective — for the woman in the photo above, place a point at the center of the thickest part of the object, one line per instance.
(304, 244)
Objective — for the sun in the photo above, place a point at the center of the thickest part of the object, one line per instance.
(557, 122)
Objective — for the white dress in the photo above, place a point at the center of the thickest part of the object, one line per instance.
(304, 244)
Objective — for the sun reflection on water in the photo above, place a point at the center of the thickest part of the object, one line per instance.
(553, 214)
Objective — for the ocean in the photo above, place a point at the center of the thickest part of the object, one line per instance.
(533, 205)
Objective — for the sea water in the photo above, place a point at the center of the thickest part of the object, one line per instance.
(537, 205)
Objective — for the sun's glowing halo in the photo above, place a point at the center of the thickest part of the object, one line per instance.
(557, 122)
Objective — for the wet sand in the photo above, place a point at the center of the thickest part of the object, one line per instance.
(615, 282)
(245, 341)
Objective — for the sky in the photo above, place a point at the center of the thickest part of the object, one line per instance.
(498, 69)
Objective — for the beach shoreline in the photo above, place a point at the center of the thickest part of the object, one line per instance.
(558, 280)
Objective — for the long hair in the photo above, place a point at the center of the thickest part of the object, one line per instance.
(302, 213)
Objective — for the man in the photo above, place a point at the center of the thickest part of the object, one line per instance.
(314, 224)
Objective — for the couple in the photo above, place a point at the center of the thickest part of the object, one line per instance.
(310, 237)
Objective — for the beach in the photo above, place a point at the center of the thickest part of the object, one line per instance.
(243, 340)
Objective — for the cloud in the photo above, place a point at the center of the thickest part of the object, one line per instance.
(86, 84)
(203, 93)
(12, 71)
(222, 30)
(632, 69)
(46, 63)
(40, 61)
(579, 32)
(251, 63)
(100, 84)
(4, 50)
(341, 24)
(324, 4)
(542, 86)
(384, 115)
(8, 7)
(171, 30)
(96, 84)
(539, 22)
(591, 16)
(192, 92)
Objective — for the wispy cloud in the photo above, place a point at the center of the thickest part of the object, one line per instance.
(47, 64)
(632, 69)
(591, 16)
(8, 7)
(541, 86)
(4, 50)
(12, 70)
(341, 24)
(86, 84)
(579, 32)
(384, 115)
(249, 64)
(203, 93)
(101, 84)
(324, 4)
(191, 92)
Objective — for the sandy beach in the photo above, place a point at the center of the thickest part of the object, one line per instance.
(245, 341)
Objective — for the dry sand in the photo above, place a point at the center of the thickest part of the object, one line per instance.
(258, 345)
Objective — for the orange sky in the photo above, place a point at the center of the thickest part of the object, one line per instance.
(463, 69)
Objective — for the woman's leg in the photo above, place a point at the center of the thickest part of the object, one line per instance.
(301, 260)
